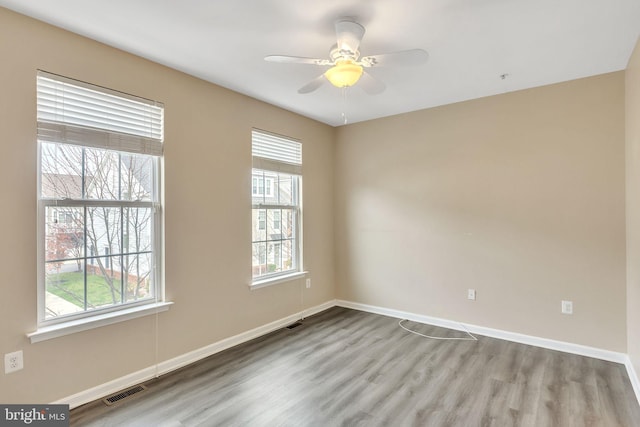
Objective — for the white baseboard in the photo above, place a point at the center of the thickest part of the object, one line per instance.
(107, 388)
(566, 347)
(633, 377)
(146, 374)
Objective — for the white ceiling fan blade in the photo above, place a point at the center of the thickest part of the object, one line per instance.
(349, 35)
(296, 60)
(370, 84)
(313, 84)
(404, 57)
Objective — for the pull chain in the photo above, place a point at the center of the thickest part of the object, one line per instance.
(344, 105)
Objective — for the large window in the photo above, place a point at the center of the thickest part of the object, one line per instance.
(99, 199)
(276, 193)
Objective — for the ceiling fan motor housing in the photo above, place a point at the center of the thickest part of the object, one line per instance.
(337, 54)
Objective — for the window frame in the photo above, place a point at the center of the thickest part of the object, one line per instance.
(94, 253)
(269, 160)
(50, 327)
(263, 210)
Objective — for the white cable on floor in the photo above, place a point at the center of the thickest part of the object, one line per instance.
(470, 338)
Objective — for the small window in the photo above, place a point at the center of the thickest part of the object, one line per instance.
(262, 186)
(276, 220)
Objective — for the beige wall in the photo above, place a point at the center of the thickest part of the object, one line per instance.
(207, 178)
(519, 196)
(632, 122)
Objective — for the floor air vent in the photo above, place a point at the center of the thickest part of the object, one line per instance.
(294, 325)
(121, 395)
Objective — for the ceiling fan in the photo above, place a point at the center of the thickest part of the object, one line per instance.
(346, 66)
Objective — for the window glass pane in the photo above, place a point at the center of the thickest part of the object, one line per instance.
(259, 226)
(137, 229)
(259, 257)
(287, 228)
(270, 188)
(65, 286)
(285, 190)
(288, 255)
(273, 220)
(64, 233)
(103, 230)
(102, 174)
(265, 187)
(103, 282)
(137, 270)
(277, 256)
(257, 188)
(137, 178)
(64, 289)
(61, 171)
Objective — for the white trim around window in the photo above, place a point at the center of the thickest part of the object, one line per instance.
(276, 191)
(84, 324)
(257, 284)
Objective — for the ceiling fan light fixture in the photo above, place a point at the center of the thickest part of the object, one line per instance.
(345, 73)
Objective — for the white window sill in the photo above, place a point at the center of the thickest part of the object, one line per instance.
(71, 327)
(275, 280)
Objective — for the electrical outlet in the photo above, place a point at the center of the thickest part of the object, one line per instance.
(13, 362)
(471, 294)
(567, 307)
(308, 283)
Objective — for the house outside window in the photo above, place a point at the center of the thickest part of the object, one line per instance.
(276, 204)
(99, 200)
(262, 187)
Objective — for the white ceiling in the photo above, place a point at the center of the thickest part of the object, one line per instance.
(471, 43)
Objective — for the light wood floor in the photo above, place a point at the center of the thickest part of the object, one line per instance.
(348, 368)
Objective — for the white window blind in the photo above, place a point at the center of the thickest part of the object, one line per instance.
(276, 153)
(74, 112)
